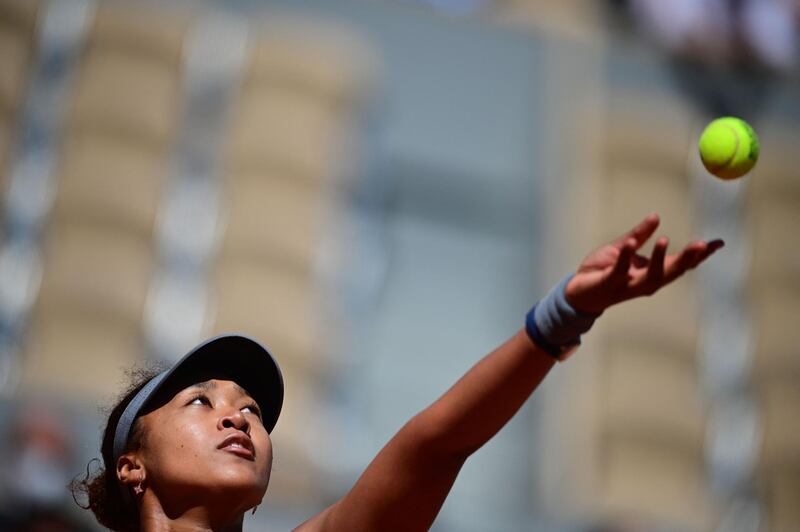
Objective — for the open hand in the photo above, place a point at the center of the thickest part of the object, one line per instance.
(615, 272)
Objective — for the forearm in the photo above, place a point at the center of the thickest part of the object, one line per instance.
(477, 406)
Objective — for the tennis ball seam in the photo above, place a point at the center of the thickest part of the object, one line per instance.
(736, 148)
(730, 159)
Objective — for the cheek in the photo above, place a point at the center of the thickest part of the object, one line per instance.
(263, 445)
(177, 449)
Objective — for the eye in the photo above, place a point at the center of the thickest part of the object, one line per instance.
(253, 408)
(199, 399)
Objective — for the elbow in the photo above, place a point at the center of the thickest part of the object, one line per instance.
(438, 439)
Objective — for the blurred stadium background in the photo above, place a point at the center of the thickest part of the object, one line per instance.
(378, 190)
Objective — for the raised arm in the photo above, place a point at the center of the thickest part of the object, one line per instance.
(406, 484)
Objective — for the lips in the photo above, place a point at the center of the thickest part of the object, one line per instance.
(240, 445)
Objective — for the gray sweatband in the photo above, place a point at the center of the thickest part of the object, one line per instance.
(553, 324)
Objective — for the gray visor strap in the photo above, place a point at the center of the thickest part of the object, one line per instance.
(128, 416)
(125, 423)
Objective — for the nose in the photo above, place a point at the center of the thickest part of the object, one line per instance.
(234, 419)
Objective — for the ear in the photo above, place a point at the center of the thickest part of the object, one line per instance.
(130, 469)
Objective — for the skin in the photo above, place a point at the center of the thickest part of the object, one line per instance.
(406, 484)
(207, 488)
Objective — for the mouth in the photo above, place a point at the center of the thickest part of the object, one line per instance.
(240, 445)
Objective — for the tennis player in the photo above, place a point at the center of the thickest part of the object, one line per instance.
(189, 448)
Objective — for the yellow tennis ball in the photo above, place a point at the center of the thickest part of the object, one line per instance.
(729, 147)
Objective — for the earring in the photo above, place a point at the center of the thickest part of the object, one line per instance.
(138, 489)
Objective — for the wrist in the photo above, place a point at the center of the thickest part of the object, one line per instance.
(555, 325)
(572, 295)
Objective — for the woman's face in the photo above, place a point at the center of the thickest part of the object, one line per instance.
(207, 445)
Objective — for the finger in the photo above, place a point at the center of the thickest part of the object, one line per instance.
(677, 265)
(710, 248)
(639, 261)
(624, 259)
(641, 232)
(690, 257)
(655, 272)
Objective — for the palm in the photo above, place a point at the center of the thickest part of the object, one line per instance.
(615, 272)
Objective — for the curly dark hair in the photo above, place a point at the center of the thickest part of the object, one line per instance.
(101, 490)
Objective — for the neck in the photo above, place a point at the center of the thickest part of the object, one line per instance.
(154, 518)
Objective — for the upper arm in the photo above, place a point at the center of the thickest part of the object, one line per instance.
(402, 489)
